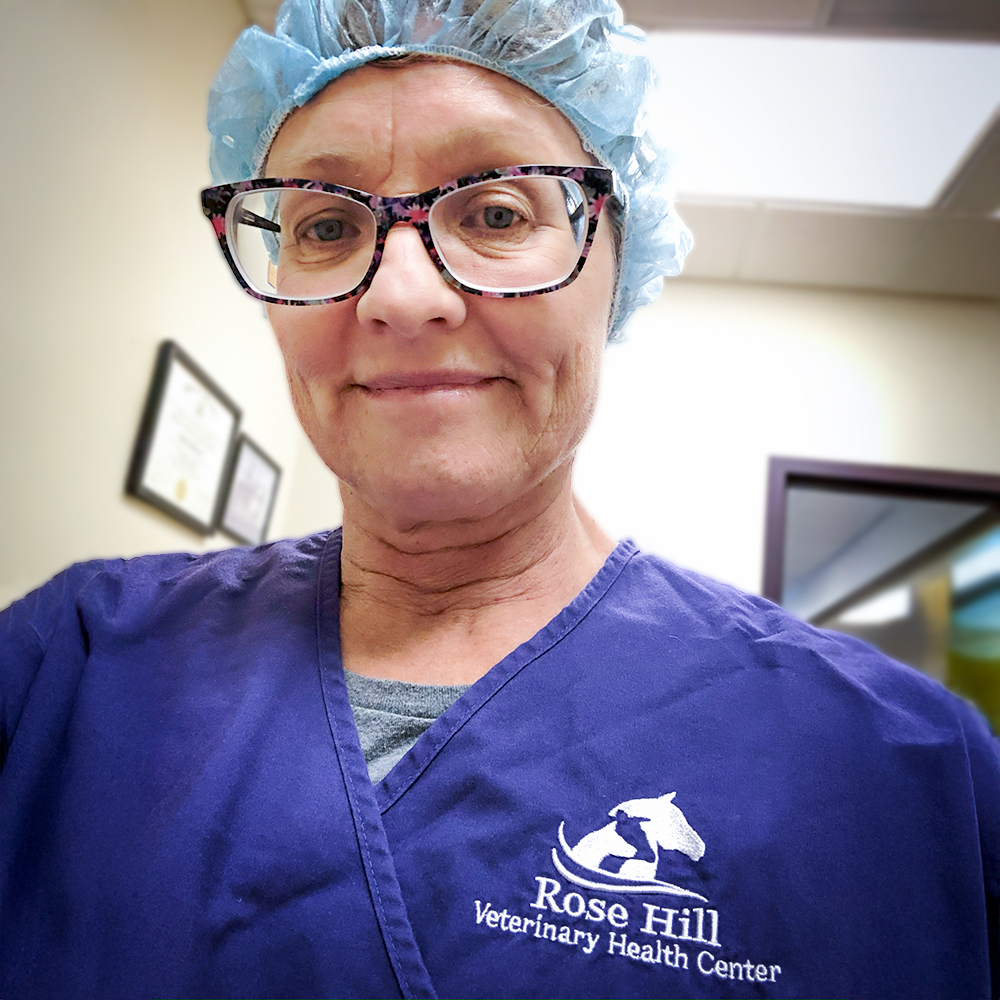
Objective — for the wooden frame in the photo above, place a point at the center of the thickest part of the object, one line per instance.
(251, 489)
(846, 477)
(183, 449)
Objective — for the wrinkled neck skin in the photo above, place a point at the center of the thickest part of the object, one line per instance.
(442, 602)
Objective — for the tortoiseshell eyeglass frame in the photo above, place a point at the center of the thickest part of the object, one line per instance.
(597, 184)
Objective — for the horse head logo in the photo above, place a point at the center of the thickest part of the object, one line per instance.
(629, 848)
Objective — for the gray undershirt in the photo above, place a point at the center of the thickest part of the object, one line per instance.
(390, 715)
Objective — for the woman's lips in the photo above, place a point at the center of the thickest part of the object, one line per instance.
(422, 382)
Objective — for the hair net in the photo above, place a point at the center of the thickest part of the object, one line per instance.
(578, 54)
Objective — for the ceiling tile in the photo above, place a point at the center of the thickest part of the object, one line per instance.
(939, 18)
(957, 255)
(720, 234)
(829, 246)
(725, 15)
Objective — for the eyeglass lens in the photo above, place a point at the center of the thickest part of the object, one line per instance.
(506, 235)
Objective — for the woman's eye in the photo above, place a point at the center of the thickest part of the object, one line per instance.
(327, 229)
(498, 217)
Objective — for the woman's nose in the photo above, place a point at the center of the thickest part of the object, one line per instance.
(408, 293)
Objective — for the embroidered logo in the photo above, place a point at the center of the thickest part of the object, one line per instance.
(647, 843)
(625, 854)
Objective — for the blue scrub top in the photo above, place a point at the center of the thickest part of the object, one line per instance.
(673, 789)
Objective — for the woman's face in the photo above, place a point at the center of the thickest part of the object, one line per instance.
(431, 404)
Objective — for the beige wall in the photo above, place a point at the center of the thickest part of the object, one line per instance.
(715, 377)
(102, 103)
(104, 252)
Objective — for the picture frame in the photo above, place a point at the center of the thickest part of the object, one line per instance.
(183, 449)
(251, 490)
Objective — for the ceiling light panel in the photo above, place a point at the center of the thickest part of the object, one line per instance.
(803, 118)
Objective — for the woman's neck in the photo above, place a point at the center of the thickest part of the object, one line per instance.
(442, 603)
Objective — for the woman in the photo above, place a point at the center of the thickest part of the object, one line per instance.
(630, 781)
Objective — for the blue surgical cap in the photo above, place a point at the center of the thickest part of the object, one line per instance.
(577, 54)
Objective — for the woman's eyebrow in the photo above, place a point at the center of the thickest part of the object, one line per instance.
(473, 149)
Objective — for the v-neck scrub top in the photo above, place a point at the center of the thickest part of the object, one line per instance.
(672, 789)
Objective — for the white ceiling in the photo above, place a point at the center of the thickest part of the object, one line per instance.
(836, 143)
(933, 252)
(839, 162)
(972, 19)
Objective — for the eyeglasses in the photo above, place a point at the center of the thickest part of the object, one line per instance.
(504, 233)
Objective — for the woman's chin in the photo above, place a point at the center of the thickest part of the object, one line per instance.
(415, 506)
(447, 497)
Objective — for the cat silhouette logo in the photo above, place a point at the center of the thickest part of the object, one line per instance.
(624, 855)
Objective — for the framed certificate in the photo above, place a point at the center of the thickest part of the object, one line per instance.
(250, 493)
(182, 452)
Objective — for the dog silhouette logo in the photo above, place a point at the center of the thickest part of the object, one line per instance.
(625, 854)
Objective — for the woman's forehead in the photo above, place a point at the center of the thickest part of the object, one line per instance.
(420, 124)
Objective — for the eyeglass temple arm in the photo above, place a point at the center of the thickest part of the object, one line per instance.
(249, 219)
(577, 213)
